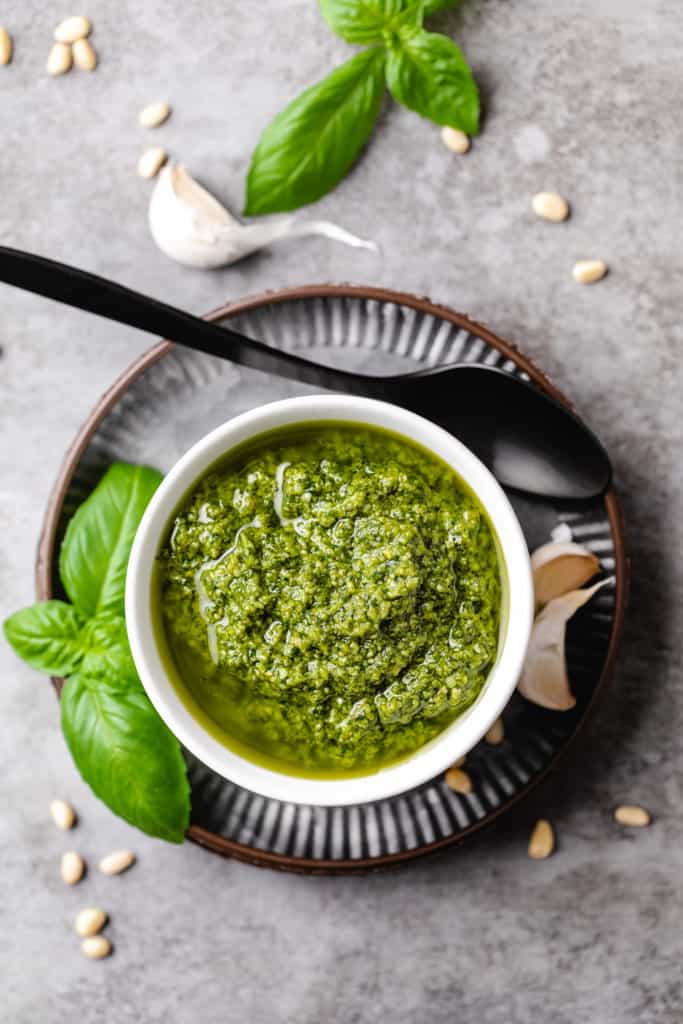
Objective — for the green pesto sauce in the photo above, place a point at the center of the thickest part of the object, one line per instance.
(330, 597)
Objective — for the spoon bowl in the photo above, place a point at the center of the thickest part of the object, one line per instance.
(526, 439)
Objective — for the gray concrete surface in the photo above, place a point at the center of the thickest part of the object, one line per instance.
(583, 97)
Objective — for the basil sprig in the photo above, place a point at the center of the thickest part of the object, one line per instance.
(119, 744)
(310, 145)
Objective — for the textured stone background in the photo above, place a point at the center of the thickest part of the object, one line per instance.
(583, 97)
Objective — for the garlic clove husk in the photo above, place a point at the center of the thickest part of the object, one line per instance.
(559, 567)
(544, 679)
(189, 225)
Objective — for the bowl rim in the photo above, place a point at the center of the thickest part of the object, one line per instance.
(47, 550)
(428, 761)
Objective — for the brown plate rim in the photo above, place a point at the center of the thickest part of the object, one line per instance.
(46, 549)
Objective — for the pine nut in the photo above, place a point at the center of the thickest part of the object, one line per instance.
(116, 862)
(154, 114)
(458, 780)
(59, 59)
(455, 140)
(588, 271)
(542, 840)
(151, 161)
(96, 947)
(5, 46)
(71, 29)
(72, 867)
(632, 816)
(63, 814)
(90, 921)
(85, 57)
(550, 206)
(496, 733)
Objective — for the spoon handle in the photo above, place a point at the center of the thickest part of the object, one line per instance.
(95, 294)
(532, 442)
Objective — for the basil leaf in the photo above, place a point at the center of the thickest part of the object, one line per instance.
(107, 650)
(432, 6)
(47, 636)
(428, 74)
(127, 755)
(365, 21)
(408, 19)
(99, 537)
(311, 144)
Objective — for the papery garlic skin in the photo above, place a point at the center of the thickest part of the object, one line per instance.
(559, 567)
(544, 679)
(190, 226)
(561, 533)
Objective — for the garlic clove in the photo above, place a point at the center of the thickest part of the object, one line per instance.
(560, 567)
(544, 679)
(189, 225)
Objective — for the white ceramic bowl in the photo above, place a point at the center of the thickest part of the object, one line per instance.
(431, 759)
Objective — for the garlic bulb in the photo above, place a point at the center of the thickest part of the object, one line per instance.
(544, 679)
(560, 567)
(191, 226)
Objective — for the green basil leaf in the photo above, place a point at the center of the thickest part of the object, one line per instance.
(98, 540)
(432, 6)
(407, 20)
(428, 74)
(47, 636)
(107, 653)
(310, 145)
(127, 755)
(366, 21)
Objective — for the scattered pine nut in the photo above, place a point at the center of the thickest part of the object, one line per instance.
(59, 59)
(496, 733)
(542, 840)
(90, 921)
(72, 867)
(5, 46)
(632, 816)
(84, 55)
(96, 947)
(154, 114)
(588, 271)
(455, 140)
(151, 161)
(116, 862)
(72, 29)
(550, 206)
(458, 780)
(63, 814)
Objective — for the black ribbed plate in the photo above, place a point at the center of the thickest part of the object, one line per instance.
(173, 397)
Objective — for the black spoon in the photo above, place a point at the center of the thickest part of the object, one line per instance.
(528, 440)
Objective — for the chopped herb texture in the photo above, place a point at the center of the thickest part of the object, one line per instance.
(330, 597)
